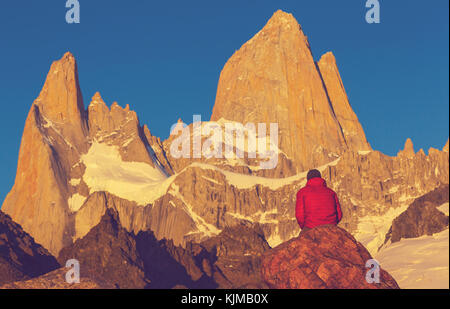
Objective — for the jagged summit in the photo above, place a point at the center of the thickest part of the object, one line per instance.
(74, 164)
(97, 98)
(446, 146)
(60, 100)
(281, 17)
(281, 24)
(274, 78)
(328, 58)
(408, 149)
(59, 131)
(60, 97)
(351, 127)
(68, 56)
(280, 29)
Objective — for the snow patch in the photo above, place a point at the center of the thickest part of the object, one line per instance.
(240, 217)
(372, 230)
(418, 263)
(75, 202)
(248, 181)
(258, 217)
(394, 189)
(405, 198)
(211, 180)
(275, 239)
(203, 227)
(243, 144)
(51, 125)
(364, 152)
(242, 181)
(128, 141)
(443, 208)
(133, 181)
(75, 181)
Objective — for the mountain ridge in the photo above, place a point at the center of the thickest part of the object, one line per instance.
(70, 174)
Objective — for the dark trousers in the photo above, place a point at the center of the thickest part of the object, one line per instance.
(304, 230)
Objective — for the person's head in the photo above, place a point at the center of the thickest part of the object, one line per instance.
(313, 174)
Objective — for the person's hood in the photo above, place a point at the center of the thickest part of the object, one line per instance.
(317, 182)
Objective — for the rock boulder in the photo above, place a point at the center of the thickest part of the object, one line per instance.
(326, 257)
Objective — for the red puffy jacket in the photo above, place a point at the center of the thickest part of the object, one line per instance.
(317, 205)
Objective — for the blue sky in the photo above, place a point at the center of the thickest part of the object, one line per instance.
(164, 59)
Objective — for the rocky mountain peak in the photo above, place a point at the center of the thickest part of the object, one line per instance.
(97, 105)
(68, 56)
(408, 149)
(54, 136)
(351, 128)
(97, 98)
(445, 149)
(178, 126)
(273, 78)
(60, 99)
(111, 244)
(104, 120)
(328, 58)
(67, 175)
(284, 21)
(281, 31)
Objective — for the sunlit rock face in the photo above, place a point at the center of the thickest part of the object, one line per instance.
(53, 138)
(274, 78)
(59, 132)
(75, 163)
